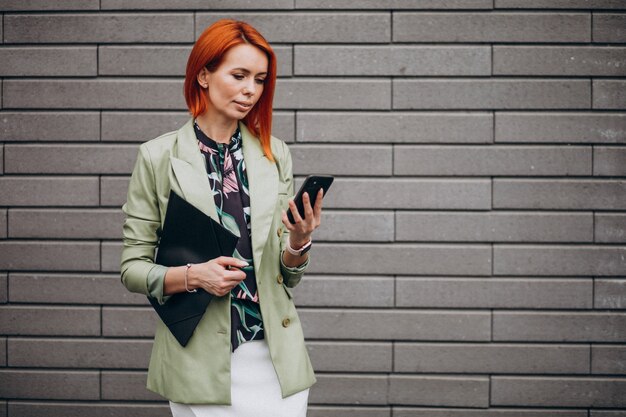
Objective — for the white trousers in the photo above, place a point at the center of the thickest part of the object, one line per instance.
(255, 391)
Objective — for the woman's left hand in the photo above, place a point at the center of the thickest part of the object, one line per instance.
(300, 231)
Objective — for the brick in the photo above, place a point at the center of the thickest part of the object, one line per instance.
(195, 4)
(558, 127)
(609, 27)
(163, 60)
(51, 191)
(558, 4)
(49, 126)
(1, 157)
(459, 391)
(359, 226)
(558, 391)
(21, 5)
(479, 93)
(608, 359)
(559, 61)
(409, 193)
(139, 126)
(559, 194)
(491, 27)
(394, 60)
(71, 289)
(47, 255)
(493, 226)
(53, 385)
(609, 293)
(345, 291)
(609, 161)
(393, 4)
(128, 322)
(48, 61)
(95, 409)
(608, 94)
(610, 227)
(490, 412)
(396, 127)
(101, 93)
(113, 190)
(4, 224)
(559, 326)
(491, 358)
(369, 411)
(376, 324)
(494, 293)
(425, 259)
(142, 126)
(66, 224)
(350, 356)
(85, 159)
(606, 413)
(492, 160)
(111, 254)
(328, 94)
(311, 27)
(349, 389)
(126, 386)
(79, 353)
(559, 260)
(364, 160)
(4, 289)
(50, 321)
(99, 28)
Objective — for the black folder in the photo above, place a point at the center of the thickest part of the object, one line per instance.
(189, 236)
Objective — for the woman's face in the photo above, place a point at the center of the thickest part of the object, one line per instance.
(237, 83)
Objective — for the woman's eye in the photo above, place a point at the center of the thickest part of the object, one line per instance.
(238, 76)
(259, 81)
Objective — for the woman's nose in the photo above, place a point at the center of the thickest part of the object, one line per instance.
(249, 88)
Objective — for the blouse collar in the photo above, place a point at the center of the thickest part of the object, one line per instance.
(233, 146)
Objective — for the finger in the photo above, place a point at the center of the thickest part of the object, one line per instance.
(308, 210)
(229, 261)
(294, 211)
(318, 204)
(234, 276)
(286, 221)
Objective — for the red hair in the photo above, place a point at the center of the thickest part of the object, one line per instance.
(209, 50)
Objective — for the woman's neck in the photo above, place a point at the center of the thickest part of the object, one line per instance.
(219, 130)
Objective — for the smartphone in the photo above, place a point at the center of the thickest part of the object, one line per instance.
(311, 185)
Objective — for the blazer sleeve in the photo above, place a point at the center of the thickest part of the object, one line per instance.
(291, 275)
(141, 231)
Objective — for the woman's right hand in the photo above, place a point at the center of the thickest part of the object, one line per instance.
(217, 276)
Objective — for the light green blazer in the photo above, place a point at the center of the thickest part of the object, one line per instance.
(200, 372)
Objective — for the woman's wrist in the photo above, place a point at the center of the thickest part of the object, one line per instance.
(297, 243)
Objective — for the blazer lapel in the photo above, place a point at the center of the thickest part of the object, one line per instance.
(189, 169)
(190, 172)
(263, 188)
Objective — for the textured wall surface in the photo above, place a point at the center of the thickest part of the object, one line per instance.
(472, 257)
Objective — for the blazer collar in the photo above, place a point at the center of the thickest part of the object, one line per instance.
(189, 168)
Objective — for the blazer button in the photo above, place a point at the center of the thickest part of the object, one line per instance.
(286, 322)
(279, 279)
(279, 231)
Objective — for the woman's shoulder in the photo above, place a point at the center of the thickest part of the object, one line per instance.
(279, 148)
(163, 142)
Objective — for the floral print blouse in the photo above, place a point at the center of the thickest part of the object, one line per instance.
(226, 170)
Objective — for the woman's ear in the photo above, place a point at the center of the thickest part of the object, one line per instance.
(203, 77)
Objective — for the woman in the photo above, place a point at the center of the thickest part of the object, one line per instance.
(247, 355)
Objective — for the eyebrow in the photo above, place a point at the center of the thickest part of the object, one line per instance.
(247, 71)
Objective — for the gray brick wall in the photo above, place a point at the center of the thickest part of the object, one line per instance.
(471, 260)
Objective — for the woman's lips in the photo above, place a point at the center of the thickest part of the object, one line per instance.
(242, 106)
